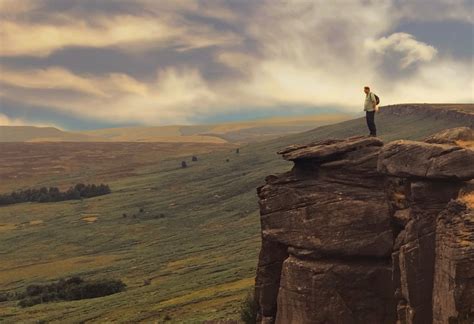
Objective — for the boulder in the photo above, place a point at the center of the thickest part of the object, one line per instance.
(430, 161)
(450, 136)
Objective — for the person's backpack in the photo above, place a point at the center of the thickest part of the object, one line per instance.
(377, 100)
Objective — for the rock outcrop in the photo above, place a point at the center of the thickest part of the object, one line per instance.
(362, 232)
(451, 136)
(453, 286)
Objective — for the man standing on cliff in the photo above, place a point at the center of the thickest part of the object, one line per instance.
(370, 107)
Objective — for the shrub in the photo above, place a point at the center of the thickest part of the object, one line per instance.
(248, 309)
(3, 297)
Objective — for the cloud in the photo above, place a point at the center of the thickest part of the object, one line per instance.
(437, 10)
(7, 121)
(149, 62)
(174, 95)
(128, 32)
(412, 50)
(59, 78)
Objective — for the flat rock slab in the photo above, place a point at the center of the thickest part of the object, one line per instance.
(328, 150)
(423, 160)
(450, 136)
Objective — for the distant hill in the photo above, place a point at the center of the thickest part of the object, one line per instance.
(38, 134)
(242, 131)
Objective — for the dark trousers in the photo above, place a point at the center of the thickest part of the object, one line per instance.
(370, 116)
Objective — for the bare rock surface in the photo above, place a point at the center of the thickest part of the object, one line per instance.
(333, 291)
(453, 294)
(360, 232)
(432, 161)
(450, 136)
(329, 211)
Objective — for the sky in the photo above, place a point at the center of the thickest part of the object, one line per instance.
(85, 64)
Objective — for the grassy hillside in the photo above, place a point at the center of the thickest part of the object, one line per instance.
(200, 257)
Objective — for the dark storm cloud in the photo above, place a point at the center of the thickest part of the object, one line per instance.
(85, 8)
(140, 65)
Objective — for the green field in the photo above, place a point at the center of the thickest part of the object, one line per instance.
(201, 256)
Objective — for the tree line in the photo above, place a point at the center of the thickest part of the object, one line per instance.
(73, 288)
(53, 194)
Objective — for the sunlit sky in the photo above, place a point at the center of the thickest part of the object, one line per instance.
(83, 64)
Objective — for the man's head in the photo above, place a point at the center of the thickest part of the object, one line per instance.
(366, 89)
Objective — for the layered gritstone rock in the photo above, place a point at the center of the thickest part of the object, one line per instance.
(331, 212)
(361, 232)
(432, 176)
(453, 293)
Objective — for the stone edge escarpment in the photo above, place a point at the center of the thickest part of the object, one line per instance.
(354, 233)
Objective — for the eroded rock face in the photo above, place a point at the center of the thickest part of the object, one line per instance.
(335, 291)
(350, 234)
(432, 175)
(453, 294)
(330, 210)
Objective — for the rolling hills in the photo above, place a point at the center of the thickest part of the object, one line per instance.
(200, 257)
(242, 131)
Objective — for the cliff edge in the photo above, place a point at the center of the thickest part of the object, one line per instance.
(359, 231)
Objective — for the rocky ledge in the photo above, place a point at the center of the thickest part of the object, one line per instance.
(362, 232)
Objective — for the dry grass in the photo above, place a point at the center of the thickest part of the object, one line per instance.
(209, 292)
(36, 222)
(179, 264)
(466, 144)
(7, 227)
(468, 199)
(90, 219)
(27, 164)
(53, 269)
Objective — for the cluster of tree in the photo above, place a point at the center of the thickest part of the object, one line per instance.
(53, 194)
(74, 288)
